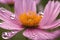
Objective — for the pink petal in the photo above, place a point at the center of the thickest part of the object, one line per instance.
(5, 14)
(50, 13)
(22, 6)
(7, 1)
(37, 1)
(55, 24)
(10, 26)
(36, 34)
(8, 16)
(55, 13)
(46, 13)
(8, 35)
(8, 23)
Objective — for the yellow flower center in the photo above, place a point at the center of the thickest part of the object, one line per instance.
(30, 19)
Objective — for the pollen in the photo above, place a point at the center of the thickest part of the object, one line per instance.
(30, 19)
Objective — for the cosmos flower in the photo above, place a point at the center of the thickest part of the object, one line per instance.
(35, 25)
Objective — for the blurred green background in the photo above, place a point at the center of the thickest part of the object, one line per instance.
(19, 35)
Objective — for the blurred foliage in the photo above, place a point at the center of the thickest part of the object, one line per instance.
(8, 7)
(19, 35)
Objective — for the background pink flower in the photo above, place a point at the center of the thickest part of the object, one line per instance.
(11, 1)
(7, 1)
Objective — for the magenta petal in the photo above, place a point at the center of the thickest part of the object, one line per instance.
(46, 13)
(39, 34)
(10, 26)
(55, 24)
(5, 14)
(50, 13)
(37, 1)
(8, 35)
(22, 6)
(55, 12)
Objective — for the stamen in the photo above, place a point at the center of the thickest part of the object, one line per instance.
(30, 19)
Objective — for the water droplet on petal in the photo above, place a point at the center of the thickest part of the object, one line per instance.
(8, 35)
(5, 35)
(41, 13)
(12, 16)
(0, 23)
(13, 32)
